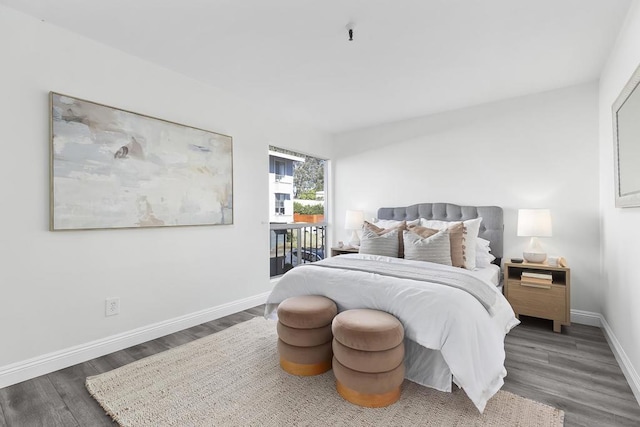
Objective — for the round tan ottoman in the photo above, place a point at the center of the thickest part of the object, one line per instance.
(304, 334)
(368, 357)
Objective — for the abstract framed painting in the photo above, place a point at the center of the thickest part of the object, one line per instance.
(112, 168)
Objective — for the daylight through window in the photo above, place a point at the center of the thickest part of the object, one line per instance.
(297, 198)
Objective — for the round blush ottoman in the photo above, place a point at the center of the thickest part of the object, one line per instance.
(368, 357)
(304, 334)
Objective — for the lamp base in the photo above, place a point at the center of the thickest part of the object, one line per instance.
(534, 252)
(534, 257)
(354, 240)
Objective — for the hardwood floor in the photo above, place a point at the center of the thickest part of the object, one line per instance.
(574, 371)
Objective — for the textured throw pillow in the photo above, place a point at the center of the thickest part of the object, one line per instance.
(471, 230)
(385, 244)
(423, 231)
(436, 248)
(456, 237)
(400, 226)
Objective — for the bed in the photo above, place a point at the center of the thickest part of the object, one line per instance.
(455, 319)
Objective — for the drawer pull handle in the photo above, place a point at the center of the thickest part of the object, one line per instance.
(533, 285)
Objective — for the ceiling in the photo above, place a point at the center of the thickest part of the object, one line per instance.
(409, 57)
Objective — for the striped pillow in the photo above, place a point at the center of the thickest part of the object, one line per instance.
(456, 240)
(385, 244)
(399, 226)
(471, 228)
(436, 248)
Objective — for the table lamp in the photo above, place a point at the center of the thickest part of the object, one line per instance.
(353, 221)
(534, 223)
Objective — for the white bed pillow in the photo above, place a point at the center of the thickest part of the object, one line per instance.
(484, 261)
(434, 248)
(483, 243)
(484, 258)
(472, 228)
(392, 223)
(386, 244)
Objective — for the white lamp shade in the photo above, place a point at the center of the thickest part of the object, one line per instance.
(534, 222)
(353, 220)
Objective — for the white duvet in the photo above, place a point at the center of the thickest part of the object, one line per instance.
(448, 331)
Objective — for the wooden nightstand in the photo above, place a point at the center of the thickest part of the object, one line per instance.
(335, 251)
(538, 299)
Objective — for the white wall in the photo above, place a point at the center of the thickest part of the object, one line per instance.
(534, 151)
(620, 227)
(53, 285)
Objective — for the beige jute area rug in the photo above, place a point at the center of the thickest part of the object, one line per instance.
(233, 378)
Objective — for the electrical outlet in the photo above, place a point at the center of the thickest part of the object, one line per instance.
(112, 307)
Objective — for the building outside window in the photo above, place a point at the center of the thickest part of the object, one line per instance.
(280, 203)
(297, 208)
(281, 185)
(280, 169)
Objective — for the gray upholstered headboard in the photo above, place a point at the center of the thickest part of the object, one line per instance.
(492, 227)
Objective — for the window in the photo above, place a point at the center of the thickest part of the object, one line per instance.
(296, 209)
(280, 199)
(280, 170)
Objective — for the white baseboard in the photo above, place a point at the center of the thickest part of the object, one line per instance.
(597, 319)
(41, 365)
(628, 370)
(586, 318)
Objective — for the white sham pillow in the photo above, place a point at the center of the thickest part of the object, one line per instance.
(484, 262)
(436, 248)
(392, 223)
(484, 258)
(483, 243)
(472, 228)
(387, 244)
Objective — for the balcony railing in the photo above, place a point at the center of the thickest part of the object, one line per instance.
(296, 244)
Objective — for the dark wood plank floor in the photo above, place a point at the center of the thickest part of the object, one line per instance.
(574, 371)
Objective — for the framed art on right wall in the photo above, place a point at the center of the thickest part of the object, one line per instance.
(626, 143)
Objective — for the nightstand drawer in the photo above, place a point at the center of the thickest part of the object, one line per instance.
(546, 301)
